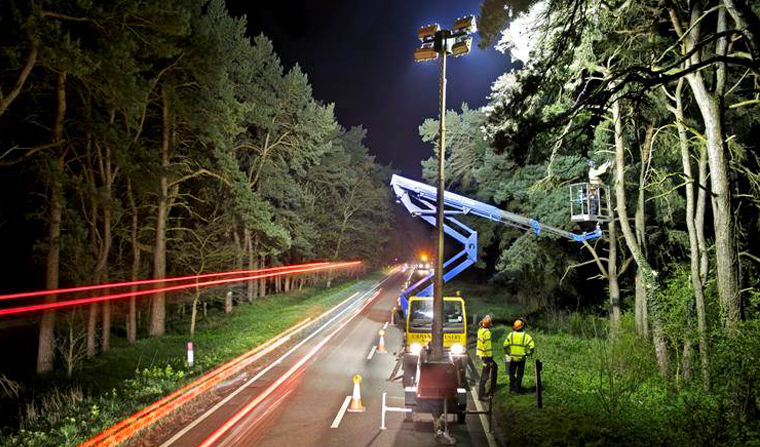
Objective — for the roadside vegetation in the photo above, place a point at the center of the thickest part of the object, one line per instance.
(66, 411)
(649, 332)
(600, 389)
(146, 140)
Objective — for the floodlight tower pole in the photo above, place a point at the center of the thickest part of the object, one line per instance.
(437, 42)
(436, 344)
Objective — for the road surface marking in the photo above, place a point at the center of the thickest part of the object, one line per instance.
(385, 326)
(483, 419)
(341, 412)
(372, 352)
(243, 412)
(213, 409)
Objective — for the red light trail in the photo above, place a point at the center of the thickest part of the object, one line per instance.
(36, 307)
(146, 281)
(231, 422)
(128, 427)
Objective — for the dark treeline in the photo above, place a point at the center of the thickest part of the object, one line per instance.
(146, 139)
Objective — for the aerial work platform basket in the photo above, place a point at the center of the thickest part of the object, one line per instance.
(589, 202)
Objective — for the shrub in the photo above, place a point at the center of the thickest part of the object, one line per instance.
(624, 363)
(736, 377)
(154, 381)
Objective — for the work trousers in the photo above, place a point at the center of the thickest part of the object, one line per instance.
(516, 371)
(490, 368)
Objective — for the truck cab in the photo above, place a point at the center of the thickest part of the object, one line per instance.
(419, 326)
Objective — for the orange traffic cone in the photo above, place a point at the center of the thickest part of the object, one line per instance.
(356, 405)
(381, 343)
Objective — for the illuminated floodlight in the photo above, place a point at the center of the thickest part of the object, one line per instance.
(425, 54)
(462, 47)
(426, 33)
(465, 25)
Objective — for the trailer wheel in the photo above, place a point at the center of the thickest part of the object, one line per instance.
(460, 417)
(409, 415)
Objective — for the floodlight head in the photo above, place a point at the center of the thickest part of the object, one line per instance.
(465, 25)
(462, 47)
(426, 53)
(427, 33)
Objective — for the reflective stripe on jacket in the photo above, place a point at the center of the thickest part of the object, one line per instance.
(518, 345)
(484, 343)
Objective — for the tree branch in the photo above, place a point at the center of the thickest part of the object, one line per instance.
(29, 153)
(31, 60)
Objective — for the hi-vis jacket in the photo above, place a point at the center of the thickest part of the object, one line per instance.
(484, 343)
(518, 345)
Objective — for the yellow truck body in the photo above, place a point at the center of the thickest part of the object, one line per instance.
(418, 330)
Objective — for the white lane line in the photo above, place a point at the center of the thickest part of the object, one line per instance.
(385, 326)
(224, 428)
(341, 412)
(371, 352)
(483, 418)
(213, 409)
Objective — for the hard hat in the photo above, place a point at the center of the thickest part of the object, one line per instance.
(518, 324)
(486, 321)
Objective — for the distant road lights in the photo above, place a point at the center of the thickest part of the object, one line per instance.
(442, 42)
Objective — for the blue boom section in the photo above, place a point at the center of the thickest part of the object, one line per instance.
(420, 200)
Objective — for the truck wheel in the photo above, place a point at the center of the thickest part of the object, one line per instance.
(409, 416)
(460, 417)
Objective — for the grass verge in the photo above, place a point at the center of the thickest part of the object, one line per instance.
(116, 384)
(596, 392)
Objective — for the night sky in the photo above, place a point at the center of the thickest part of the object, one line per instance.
(359, 55)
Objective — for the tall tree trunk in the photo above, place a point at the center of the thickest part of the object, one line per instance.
(105, 333)
(642, 309)
(711, 109)
(699, 218)
(135, 268)
(747, 22)
(630, 237)
(696, 276)
(46, 348)
(158, 304)
(612, 274)
(725, 253)
(92, 326)
(263, 281)
(194, 312)
(107, 176)
(250, 291)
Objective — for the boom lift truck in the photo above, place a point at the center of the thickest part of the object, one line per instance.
(439, 388)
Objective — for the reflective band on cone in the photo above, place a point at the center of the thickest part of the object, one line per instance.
(356, 405)
(381, 343)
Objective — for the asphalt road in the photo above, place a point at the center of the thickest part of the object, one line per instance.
(296, 400)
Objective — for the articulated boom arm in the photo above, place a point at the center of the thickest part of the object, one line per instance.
(420, 200)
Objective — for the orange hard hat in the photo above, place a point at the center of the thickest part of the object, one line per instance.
(486, 321)
(518, 324)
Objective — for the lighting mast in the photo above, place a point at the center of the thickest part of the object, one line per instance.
(437, 42)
